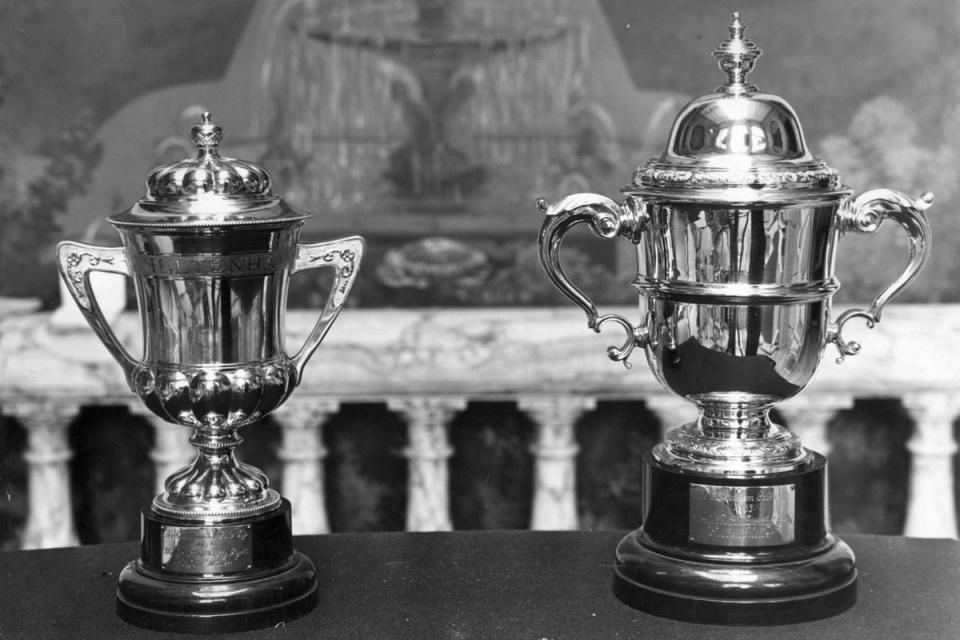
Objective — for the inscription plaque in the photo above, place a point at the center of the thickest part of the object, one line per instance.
(751, 516)
(206, 550)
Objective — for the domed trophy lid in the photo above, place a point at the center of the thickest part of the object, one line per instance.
(737, 144)
(207, 190)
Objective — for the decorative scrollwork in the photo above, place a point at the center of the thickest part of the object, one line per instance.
(77, 264)
(865, 214)
(636, 337)
(835, 335)
(344, 260)
(658, 176)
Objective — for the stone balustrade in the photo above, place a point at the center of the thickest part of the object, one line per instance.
(425, 365)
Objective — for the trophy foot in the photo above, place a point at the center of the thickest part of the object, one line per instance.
(749, 594)
(726, 549)
(236, 575)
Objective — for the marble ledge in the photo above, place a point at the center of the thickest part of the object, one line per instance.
(479, 353)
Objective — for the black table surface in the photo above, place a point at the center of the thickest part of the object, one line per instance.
(484, 584)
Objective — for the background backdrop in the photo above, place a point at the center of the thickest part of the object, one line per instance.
(539, 98)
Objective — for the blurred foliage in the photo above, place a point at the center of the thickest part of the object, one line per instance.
(31, 209)
(885, 146)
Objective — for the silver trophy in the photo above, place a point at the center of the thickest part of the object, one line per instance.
(736, 229)
(211, 250)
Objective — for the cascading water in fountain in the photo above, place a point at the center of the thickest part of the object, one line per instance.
(429, 105)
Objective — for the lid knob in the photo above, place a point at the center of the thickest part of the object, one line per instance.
(736, 57)
(217, 181)
(207, 135)
(737, 143)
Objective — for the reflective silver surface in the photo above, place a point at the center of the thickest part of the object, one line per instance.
(737, 227)
(211, 250)
(738, 254)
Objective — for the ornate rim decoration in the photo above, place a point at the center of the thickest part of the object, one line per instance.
(657, 175)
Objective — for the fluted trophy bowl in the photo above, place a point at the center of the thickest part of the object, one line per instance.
(736, 228)
(216, 363)
(211, 251)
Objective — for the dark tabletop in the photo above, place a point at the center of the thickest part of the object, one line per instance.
(483, 584)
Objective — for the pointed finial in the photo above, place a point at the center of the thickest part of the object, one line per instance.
(206, 135)
(736, 27)
(736, 57)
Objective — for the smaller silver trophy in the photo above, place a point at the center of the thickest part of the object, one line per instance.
(736, 228)
(211, 250)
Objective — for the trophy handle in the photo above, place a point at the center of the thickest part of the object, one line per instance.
(344, 257)
(865, 214)
(607, 219)
(76, 261)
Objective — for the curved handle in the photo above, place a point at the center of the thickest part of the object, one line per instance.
(865, 214)
(76, 261)
(344, 257)
(607, 219)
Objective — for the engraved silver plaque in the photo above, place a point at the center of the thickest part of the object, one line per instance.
(206, 550)
(751, 516)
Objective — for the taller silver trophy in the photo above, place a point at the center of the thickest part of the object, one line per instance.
(736, 228)
(211, 250)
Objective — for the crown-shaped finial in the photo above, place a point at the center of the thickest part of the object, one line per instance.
(206, 135)
(208, 172)
(736, 57)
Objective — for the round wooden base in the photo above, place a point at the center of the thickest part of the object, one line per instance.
(216, 578)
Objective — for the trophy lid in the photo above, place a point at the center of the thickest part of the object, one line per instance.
(737, 144)
(207, 190)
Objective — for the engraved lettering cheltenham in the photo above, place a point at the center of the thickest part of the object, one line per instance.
(206, 549)
(742, 516)
(200, 265)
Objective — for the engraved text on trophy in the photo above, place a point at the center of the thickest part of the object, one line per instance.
(208, 549)
(244, 264)
(748, 516)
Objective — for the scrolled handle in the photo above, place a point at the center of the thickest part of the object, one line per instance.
(608, 220)
(865, 214)
(76, 261)
(344, 257)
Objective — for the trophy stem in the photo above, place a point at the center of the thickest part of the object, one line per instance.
(216, 485)
(739, 417)
(733, 435)
(216, 549)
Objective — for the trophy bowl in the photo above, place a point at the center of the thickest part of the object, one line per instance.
(736, 227)
(211, 250)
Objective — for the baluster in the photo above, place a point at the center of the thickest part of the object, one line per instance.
(428, 496)
(673, 411)
(49, 507)
(554, 451)
(302, 454)
(808, 415)
(931, 511)
(171, 451)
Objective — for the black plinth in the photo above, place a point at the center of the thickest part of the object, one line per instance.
(234, 575)
(724, 549)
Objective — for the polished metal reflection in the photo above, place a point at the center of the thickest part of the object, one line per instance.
(211, 251)
(736, 226)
